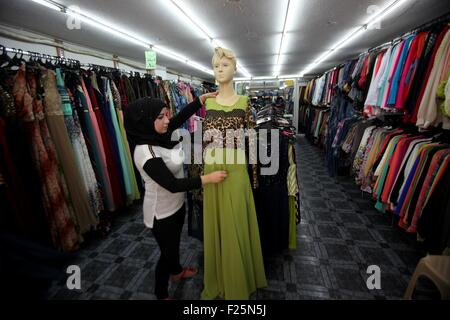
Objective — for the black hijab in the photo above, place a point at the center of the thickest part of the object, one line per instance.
(139, 118)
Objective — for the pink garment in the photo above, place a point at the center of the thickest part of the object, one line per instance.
(108, 189)
(393, 67)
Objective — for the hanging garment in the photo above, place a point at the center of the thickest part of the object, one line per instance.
(398, 72)
(93, 184)
(135, 188)
(366, 173)
(80, 151)
(376, 83)
(124, 165)
(103, 103)
(387, 76)
(428, 113)
(97, 147)
(30, 111)
(405, 169)
(293, 191)
(21, 180)
(394, 166)
(434, 223)
(417, 181)
(111, 157)
(55, 120)
(411, 66)
(382, 171)
(372, 94)
(439, 164)
(414, 101)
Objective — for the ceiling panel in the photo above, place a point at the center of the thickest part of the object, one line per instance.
(252, 28)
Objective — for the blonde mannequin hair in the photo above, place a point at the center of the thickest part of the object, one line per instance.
(220, 53)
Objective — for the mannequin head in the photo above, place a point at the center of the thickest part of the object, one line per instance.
(224, 65)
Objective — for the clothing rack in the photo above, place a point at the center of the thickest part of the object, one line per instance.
(110, 69)
(442, 19)
(47, 57)
(37, 55)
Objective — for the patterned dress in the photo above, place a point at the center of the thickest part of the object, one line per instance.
(233, 257)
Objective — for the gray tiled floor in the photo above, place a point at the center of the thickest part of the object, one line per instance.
(340, 235)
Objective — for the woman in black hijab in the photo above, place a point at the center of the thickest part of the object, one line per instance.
(149, 129)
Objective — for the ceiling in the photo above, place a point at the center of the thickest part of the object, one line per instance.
(251, 28)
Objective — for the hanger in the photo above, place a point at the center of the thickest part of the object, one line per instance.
(16, 61)
(4, 56)
(48, 62)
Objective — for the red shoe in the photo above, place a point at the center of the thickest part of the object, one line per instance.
(188, 272)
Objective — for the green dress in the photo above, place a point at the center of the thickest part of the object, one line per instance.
(233, 260)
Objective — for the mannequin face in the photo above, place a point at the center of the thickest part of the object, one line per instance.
(224, 70)
(162, 121)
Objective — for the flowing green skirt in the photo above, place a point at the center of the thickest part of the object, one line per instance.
(233, 260)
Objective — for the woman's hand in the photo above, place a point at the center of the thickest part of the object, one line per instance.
(205, 96)
(214, 177)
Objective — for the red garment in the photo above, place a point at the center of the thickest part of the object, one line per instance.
(394, 166)
(124, 94)
(410, 68)
(379, 61)
(386, 141)
(380, 154)
(362, 80)
(112, 171)
(428, 183)
(427, 76)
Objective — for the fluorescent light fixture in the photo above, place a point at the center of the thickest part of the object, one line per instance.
(243, 71)
(277, 68)
(182, 11)
(385, 12)
(76, 13)
(355, 33)
(350, 36)
(283, 35)
(293, 7)
(200, 67)
(292, 77)
(48, 4)
(170, 54)
(175, 56)
(118, 32)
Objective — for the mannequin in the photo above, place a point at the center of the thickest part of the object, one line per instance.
(234, 267)
(224, 64)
